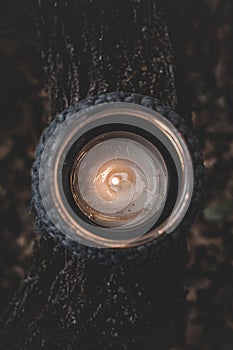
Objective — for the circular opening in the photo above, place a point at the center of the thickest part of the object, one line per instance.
(116, 175)
(119, 179)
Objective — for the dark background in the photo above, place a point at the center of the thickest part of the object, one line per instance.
(25, 112)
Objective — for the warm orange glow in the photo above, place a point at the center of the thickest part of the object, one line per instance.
(115, 178)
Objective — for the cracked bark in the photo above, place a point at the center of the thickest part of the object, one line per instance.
(88, 48)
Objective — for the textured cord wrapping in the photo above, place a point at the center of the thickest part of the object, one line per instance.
(45, 226)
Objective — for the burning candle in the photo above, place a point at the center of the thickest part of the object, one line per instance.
(120, 182)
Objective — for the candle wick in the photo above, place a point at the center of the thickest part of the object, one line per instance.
(115, 181)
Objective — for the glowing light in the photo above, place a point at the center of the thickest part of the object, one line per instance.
(115, 181)
(120, 188)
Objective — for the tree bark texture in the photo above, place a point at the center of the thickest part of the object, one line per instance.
(65, 302)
